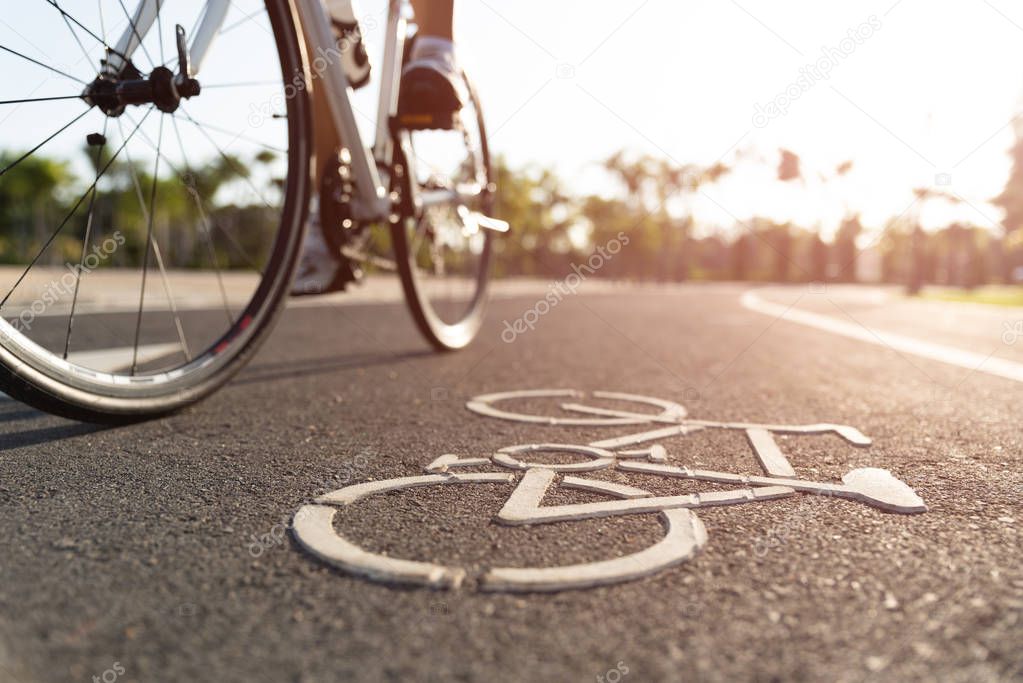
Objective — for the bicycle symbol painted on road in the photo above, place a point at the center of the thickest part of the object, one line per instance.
(638, 452)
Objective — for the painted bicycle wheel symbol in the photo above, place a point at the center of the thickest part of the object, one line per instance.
(530, 482)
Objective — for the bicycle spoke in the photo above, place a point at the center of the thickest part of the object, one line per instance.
(135, 32)
(157, 254)
(102, 24)
(74, 34)
(246, 18)
(170, 300)
(239, 136)
(72, 211)
(159, 31)
(85, 246)
(191, 190)
(42, 99)
(145, 251)
(241, 84)
(102, 41)
(36, 148)
(226, 158)
(206, 228)
(45, 66)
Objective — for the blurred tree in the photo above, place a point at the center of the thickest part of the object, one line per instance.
(1011, 202)
(782, 242)
(955, 255)
(32, 205)
(634, 175)
(818, 258)
(541, 214)
(845, 248)
(740, 257)
(670, 181)
(917, 260)
(789, 166)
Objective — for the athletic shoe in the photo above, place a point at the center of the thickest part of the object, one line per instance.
(433, 89)
(320, 270)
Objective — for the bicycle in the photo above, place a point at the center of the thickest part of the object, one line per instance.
(196, 180)
(315, 527)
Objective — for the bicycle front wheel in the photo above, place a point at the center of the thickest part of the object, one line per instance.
(150, 220)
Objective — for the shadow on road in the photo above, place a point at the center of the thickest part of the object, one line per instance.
(270, 372)
(33, 437)
(14, 412)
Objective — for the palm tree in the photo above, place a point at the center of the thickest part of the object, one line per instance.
(685, 181)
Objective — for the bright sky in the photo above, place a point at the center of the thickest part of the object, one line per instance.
(926, 91)
(931, 91)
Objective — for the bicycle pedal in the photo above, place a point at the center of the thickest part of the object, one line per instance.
(491, 223)
(474, 220)
(427, 121)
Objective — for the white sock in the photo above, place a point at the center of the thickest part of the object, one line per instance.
(433, 47)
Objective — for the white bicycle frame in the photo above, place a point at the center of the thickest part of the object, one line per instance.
(371, 201)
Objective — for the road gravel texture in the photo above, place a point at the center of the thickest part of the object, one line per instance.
(163, 546)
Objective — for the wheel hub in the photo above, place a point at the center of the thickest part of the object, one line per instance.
(162, 88)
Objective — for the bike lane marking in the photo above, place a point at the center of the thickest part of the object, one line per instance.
(684, 532)
(313, 528)
(524, 504)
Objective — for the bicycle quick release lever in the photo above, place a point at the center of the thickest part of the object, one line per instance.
(184, 65)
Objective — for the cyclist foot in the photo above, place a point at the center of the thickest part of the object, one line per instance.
(433, 89)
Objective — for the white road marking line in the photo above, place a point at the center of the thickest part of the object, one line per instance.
(999, 367)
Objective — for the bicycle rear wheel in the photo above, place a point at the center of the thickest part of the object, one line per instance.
(149, 234)
(444, 262)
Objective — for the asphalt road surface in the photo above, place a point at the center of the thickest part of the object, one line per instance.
(158, 552)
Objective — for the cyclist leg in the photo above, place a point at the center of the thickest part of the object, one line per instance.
(321, 269)
(435, 17)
